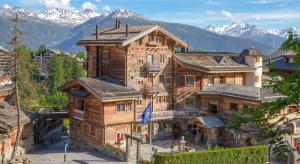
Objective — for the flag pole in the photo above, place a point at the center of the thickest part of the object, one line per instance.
(150, 130)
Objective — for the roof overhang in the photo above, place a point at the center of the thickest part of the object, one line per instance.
(208, 70)
(91, 91)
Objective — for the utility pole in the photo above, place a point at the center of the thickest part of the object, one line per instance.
(15, 42)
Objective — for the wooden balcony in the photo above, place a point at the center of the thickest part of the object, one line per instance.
(150, 90)
(152, 68)
(171, 114)
(153, 43)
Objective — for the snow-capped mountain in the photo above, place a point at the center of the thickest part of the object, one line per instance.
(238, 30)
(124, 13)
(235, 30)
(56, 15)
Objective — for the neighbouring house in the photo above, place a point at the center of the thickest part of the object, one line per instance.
(44, 59)
(192, 94)
(281, 61)
(8, 130)
(6, 60)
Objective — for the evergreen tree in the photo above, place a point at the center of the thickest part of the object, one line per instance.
(287, 85)
(56, 74)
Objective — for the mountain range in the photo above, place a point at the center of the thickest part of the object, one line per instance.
(271, 37)
(61, 28)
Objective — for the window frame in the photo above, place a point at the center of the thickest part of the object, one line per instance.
(189, 107)
(210, 79)
(209, 106)
(232, 104)
(119, 104)
(185, 80)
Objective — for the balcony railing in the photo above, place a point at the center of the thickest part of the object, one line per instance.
(150, 90)
(152, 68)
(170, 114)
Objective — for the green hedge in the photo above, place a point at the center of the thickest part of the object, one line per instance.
(242, 155)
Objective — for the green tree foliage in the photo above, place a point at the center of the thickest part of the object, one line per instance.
(62, 70)
(41, 50)
(287, 85)
(27, 70)
(252, 154)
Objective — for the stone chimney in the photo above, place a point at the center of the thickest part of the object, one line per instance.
(118, 24)
(127, 30)
(97, 32)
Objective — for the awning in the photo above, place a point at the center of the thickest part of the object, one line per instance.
(80, 94)
(211, 121)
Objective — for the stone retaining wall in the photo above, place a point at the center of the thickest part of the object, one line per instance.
(113, 152)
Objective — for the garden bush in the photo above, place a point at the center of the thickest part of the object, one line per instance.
(242, 155)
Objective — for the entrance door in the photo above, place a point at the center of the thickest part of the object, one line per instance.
(150, 58)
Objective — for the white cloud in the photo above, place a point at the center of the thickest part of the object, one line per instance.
(106, 8)
(227, 14)
(6, 6)
(66, 4)
(88, 5)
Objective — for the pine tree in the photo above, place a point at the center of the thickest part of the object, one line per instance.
(287, 85)
(15, 42)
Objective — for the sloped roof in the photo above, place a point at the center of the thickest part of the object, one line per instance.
(118, 35)
(104, 90)
(213, 61)
(241, 91)
(251, 52)
(8, 117)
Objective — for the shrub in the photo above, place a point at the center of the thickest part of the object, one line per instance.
(245, 155)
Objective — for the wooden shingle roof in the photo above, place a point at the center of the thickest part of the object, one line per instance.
(241, 91)
(118, 35)
(210, 62)
(103, 89)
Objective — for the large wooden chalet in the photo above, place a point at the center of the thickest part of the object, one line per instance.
(192, 93)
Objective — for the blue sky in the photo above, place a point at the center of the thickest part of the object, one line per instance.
(265, 13)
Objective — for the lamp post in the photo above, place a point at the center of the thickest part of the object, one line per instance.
(66, 139)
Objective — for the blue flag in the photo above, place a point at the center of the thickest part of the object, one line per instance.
(146, 116)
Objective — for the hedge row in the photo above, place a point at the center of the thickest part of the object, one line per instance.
(242, 155)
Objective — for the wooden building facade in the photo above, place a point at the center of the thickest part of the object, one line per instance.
(129, 67)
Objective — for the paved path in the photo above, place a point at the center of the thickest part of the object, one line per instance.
(54, 154)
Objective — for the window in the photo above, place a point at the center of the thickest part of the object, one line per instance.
(139, 102)
(162, 58)
(85, 130)
(256, 78)
(233, 106)
(132, 55)
(120, 136)
(162, 78)
(213, 107)
(211, 79)
(168, 80)
(129, 106)
(222, 79)
(257, 59)
(140, 62)
(79, 103)
(189, 102)
(120, 107)
(93, 130)
(189, 80)
(150, 58)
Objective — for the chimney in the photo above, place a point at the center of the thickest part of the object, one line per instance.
(97, 32)
(118, 23)
(127, 30)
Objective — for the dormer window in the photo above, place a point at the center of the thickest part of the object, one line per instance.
(289, 60)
